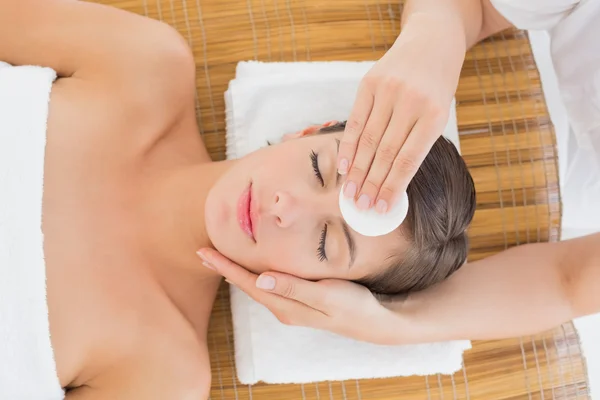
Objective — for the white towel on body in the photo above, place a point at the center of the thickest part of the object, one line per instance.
(27, 367)
(265, 101)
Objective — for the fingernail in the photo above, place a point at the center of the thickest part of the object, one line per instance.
(208, 265)
(202, 256)
(265, 282)
(343, 167)
(381, 206)
(363, 202)
(350, 189)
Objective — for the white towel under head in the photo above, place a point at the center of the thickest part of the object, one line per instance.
(267, 100)
(27, 367)
(264, 102)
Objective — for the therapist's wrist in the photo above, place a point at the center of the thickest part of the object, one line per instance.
(445, 33)
(457, 18)
(404, 325)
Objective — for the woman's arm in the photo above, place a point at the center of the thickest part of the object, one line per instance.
(128, 55)
(78, 38)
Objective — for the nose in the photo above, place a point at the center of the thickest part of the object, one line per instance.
(286, 209)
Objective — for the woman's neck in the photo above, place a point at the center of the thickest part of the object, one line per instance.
(175, 216)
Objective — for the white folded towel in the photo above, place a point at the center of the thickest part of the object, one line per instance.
(27, 367)
(265, 101)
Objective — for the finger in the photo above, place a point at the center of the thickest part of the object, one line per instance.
(407, 163)
(387, 151)
(354, 127)
(233, 273)
(290, 312)
(367, 146)
(294, 288)
(286, 310)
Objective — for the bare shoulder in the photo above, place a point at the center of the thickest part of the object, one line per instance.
(131, 105)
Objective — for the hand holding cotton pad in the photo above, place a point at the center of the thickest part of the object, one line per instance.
(370, 222)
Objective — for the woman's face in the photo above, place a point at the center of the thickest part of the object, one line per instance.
(277, 209)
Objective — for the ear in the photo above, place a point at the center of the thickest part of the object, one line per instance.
(311, 130)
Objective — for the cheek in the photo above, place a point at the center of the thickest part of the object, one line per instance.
(284, 254)
(300, 262)
(280, 163)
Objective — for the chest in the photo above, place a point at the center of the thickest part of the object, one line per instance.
(107, 310)
(99, 297)
(105, 307)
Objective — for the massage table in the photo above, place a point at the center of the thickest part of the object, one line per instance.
(507, 140)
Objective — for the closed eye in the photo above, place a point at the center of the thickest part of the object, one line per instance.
(314, 159)
(321, 249)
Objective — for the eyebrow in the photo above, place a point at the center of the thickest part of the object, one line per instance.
(350, 241)
(347, 234)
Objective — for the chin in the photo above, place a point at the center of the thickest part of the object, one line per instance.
(215, 216)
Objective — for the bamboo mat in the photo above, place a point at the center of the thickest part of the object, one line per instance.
(506, 138)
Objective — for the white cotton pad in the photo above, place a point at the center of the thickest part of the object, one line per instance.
(370, 222)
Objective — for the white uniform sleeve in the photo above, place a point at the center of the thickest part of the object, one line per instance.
(574, 29)
(535, 14)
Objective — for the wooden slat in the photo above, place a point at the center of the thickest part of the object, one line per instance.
(506, 138)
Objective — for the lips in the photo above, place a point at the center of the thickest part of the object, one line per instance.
(244, 213)
(253, 214)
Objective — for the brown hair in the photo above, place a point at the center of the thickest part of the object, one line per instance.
(442, 204)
